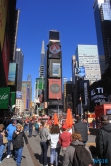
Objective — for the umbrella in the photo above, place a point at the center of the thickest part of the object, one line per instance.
(55, 119)
(69, 120)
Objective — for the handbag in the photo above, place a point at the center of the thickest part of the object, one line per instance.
(5, 141)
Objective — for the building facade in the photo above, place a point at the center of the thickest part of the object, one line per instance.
(19, 58)
(87, 57)
(27, 93)
(41, 70)
(54, 73)
(102, 14)
(19, 106)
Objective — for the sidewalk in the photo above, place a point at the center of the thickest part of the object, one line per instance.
(31, 153)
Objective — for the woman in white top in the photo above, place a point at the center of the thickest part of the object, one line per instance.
(54, 145)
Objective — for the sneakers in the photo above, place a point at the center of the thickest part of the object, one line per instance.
(8, 156)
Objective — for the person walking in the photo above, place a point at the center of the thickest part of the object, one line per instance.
(103, 141)
(82, 128)
(54, 144)
(36, 125)
(2, 145)
(44, 133)
(94, 123)
(18, 143)
(10, 129)
(30, 128)
(77, 154)
(65, 138)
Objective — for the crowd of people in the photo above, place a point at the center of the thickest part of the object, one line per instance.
(62, 139)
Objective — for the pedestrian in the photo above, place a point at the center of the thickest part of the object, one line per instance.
(30, 128)
(103, 141)
(10, 129)
(36, 125)
(26, 126)
(18, 143)
(54, 145)
(77, 154)
(65, 138)
(82, 128)
(2, 145)
(44, 133)
(98, 123)
(94, 123)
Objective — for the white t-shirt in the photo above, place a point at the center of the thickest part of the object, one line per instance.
(54, 140)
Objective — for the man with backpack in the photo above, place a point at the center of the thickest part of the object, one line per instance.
(77, 154)
(36, 125)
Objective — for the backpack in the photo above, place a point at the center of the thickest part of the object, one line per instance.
(81, 156)
(36, 126)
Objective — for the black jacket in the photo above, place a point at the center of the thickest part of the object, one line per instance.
(18, 141)
(103, 143)
(82, 128)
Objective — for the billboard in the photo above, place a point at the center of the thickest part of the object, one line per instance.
(80, 72)
(54, 50)
(12, 74)
(40, 86)
(96, 94)
(18, 95)
(55, 91)
(4, 98)
(3, 19)
(54, 68)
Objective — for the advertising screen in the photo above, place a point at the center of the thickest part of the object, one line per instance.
(4, 98)
(54, 68)
(54, 89)
(96, 94)
(18, 95)
(12, 74)
(54, 50)
(3, 18)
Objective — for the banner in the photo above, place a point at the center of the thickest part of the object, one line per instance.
(4, 98)
(18, 95)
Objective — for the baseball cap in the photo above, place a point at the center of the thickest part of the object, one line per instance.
(64, 127)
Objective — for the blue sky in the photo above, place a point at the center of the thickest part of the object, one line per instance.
(73, 19)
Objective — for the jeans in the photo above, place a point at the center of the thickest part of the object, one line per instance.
(9, 147)
(54, 156)
(30, 132)
(2, 147)
(44, 148)
(18, 156)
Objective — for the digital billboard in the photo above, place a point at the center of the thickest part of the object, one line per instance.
(40, 86)
(18, 95)
(54, 68)
(3, 18)
(4, 98)
(96, 94)
(12, 74)
(54, 50)
(54, 89)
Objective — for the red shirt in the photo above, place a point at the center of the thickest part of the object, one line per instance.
(65, 139)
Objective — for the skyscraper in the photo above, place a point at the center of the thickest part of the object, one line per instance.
(19, 57)
(87, 56)
(102, 13)
(41, 70)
